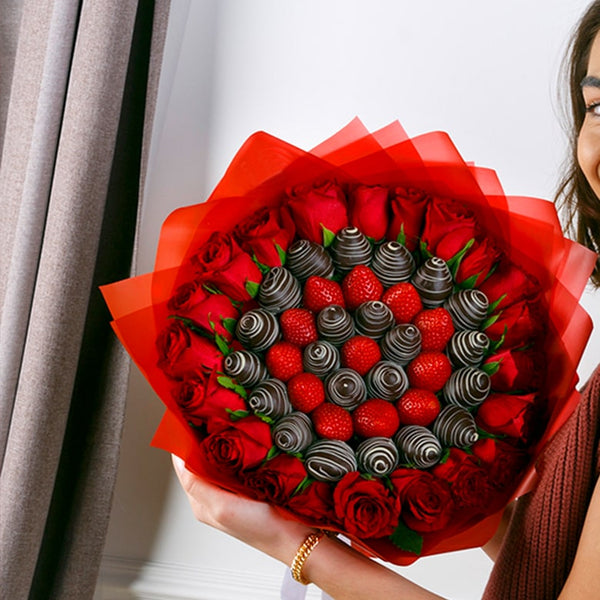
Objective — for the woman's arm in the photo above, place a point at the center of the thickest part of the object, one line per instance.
(333, 566)
(584, 578)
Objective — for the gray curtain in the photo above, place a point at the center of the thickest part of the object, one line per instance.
(78, 81)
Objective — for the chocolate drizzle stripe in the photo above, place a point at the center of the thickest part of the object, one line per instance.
(377, 455)
(329, 460)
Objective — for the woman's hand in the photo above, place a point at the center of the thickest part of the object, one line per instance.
(335, 567)
(255, 523)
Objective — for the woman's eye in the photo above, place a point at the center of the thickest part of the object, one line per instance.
(593, 109)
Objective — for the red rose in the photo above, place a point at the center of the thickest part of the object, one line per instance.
(468, 481)
(223, 264)
(316, 207)
(408, 211)
(276, 479)
(365, 507)
(449, 225)
(504, 461)
(242, 445)
(262, 232)
(519, 370)
(368, 208)
(478, 260)
(506, 414)
(203, 401)
(315, 503)
(426, 501)
(205, 309)
(510, 284)
(519, 323)
(181, 351)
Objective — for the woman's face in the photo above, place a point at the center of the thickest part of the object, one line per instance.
(588, 146)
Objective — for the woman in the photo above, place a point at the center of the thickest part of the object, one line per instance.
(549, 546)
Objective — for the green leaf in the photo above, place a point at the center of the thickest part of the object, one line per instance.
(222, 344)
(236, 415)
(486, 435)
(252, 288)
(445, 455)
(261, 267)
(425, 254)
(264, 418)
(491, 368)
(494, 305)
(282, 254)
(328, 236)
(454, 262)
(273, 452)
(469, 282)
(229, 324)
(230, 384)
(494, 346)
(212, 290)
(388, 483)
(406, 539)
(492, 269)
(302, 485)
(401, 239)
(191, 326)
(490, 321)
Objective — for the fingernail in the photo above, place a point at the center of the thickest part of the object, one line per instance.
(178, 463)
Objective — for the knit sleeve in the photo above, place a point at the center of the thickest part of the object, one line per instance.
(540, 544)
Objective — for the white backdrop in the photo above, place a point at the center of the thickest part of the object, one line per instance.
(485, 72)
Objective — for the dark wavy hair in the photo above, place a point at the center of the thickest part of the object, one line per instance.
(575, 196)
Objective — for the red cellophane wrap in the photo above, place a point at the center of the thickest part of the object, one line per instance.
(261, 175)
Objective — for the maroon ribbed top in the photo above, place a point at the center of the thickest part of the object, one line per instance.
(538, 550)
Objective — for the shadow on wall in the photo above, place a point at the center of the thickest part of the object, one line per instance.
(141, 494)
(143, 479)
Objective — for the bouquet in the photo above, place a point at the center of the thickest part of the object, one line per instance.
(370, 336)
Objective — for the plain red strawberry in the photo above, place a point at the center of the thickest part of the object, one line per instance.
(418, 407)
(360, 353)
(306, 392)
(404, 301)
(361, 285)
(320, 292)
(436, 328)
(429, 371)
(332, 422)
(298, 326)
(376, 417)
(284, 360)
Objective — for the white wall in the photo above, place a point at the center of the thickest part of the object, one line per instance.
(300, 69)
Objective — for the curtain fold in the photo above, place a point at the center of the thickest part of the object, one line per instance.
(76, 137)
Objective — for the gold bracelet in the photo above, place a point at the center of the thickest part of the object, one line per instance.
(303, 553)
